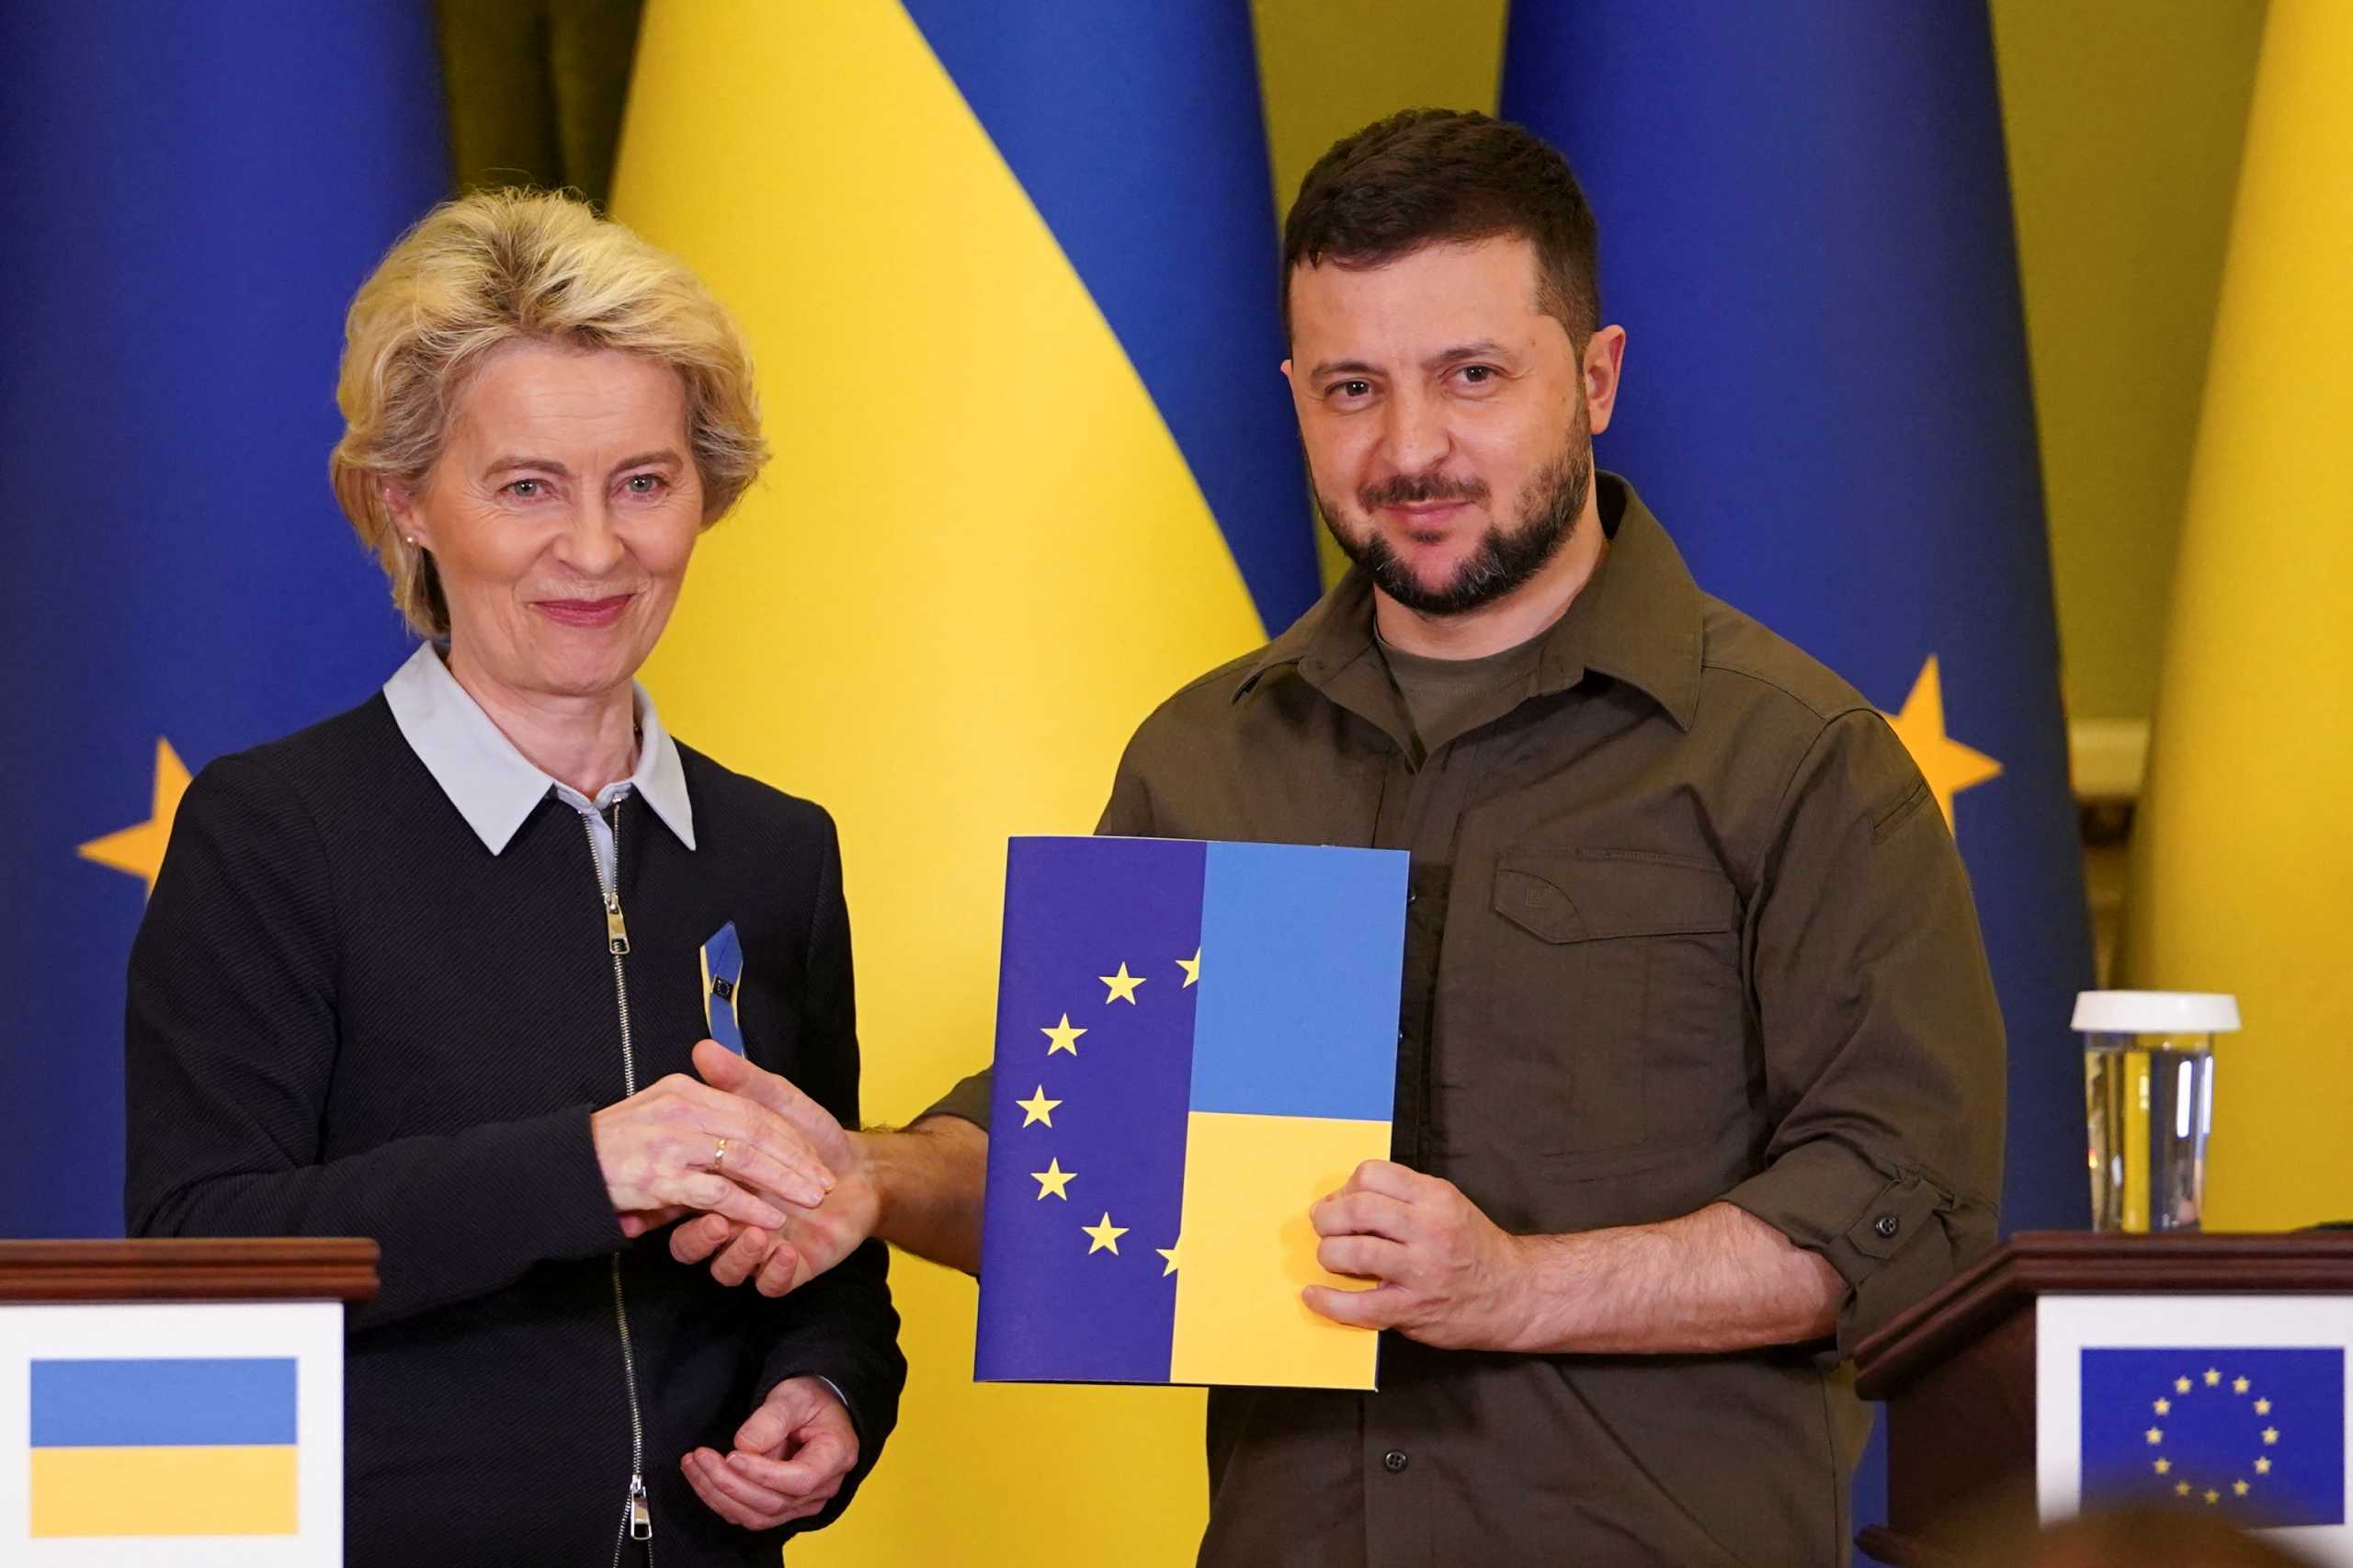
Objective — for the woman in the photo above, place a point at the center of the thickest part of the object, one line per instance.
(435, 971)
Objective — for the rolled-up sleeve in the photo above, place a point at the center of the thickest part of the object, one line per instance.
(1882, 1040)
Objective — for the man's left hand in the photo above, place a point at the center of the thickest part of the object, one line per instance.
(1447, 1276)
(790, 1459)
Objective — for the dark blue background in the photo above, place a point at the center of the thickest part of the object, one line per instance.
(1806, 232)
(189, 194)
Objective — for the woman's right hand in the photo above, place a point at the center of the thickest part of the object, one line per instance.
(661, 1151)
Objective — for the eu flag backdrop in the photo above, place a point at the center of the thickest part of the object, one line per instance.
(190, 194)
(1806, 233)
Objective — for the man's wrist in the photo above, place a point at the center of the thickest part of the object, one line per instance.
(1543, 1304)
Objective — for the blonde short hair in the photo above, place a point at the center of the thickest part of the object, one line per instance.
(494, 267)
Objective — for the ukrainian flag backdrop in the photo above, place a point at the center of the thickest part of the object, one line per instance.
(1011, 285)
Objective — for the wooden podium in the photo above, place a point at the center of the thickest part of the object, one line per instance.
(175, 1403)
(1965, 1373)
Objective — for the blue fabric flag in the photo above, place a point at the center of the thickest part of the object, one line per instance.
(1136, 129)
(1806, 230)
(2257, 1434)
(1195, 1041)
(192, 192)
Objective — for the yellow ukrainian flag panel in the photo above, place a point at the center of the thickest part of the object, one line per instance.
(1247, 1249)
(159, 1491)
(2243, 862)
(977, 562)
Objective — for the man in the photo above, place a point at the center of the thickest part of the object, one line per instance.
(1699, 1066)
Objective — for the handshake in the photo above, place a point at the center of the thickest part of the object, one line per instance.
(779, 1191)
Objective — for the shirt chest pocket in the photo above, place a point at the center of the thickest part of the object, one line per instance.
(1614, 1004)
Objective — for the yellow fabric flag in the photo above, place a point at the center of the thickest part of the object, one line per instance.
(1001, 526)
(2243, 879)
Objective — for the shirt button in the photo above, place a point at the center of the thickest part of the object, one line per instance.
(1885, 1225)
(1394, 1460)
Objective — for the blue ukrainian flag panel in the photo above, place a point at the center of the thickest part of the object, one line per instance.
(2256, 1436)
(1136, 129)
(165, 1447)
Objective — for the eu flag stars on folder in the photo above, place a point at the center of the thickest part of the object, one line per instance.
(1195, 1041)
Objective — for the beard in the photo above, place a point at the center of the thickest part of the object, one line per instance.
(1504, 558)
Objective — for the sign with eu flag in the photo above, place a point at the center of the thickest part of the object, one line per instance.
(1195, 1042)
(2255, 1435)
(2234, 1406)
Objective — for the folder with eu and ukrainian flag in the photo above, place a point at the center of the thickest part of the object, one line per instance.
(1195, 1042)
(164, 1446)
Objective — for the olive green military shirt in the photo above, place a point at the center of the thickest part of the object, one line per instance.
(1685, 924)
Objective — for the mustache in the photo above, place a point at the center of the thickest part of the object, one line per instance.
(1413, 489)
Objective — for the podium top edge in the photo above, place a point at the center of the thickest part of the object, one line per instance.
(2040, 1263)
(194, 1268)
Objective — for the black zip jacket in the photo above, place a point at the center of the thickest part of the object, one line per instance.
(348, 1018)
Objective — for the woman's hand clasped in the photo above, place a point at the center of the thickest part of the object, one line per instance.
(680, 1145)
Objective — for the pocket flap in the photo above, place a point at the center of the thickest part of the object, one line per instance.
(1583, 895)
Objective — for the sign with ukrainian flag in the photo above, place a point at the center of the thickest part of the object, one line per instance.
(1195, 1042)
(2230, 1404)
(181, 1436)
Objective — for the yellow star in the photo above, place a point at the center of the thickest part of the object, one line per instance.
(2262, 1465)
(2270, 1435)
(1105, 1236)
(2213, 1376)
(2181, 1385)
(2163, 1466)
(2238, 1385)
(1123, 986)
(2240, 1487)
(1053, 1180)
(1064, 1037)
(2154, 1435)
(1038, 1107)
(140, 850)
(2181, 1489)
(1949, 767)
(1191, 966)
(2263, 1407)
(2213, 1496)
(2164, 1406)
(1170, 1254)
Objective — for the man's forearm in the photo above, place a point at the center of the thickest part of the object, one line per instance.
(1719, 1279)
(928, 1181)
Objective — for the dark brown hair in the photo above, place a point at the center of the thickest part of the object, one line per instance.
(1433, 176)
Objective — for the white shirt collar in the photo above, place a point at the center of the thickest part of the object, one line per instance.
(494, 786)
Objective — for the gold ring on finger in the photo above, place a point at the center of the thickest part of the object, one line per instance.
(720, 1156)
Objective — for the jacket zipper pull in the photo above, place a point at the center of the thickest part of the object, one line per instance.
(641, 1516)
(616, 928)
